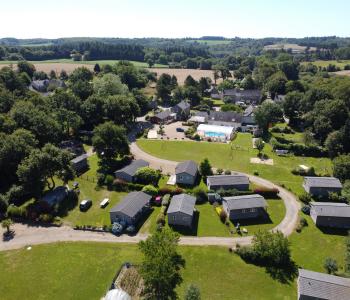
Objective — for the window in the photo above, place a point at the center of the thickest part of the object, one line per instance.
(244, 211)
(253, 210)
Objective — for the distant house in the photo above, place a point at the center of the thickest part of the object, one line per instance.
(238, 95)
(164, 117)
(244, 207)
(186, 172)
(42, 86)
(225, 118)
(131, 208)
(279, 98)
(330, 214)
(322, 186)
(80, 163)
(182, 110)
(215, 94)
(128, 173)
(248, 116)
(73, 146)
(228, 182)
(200, 117)
(216, 133)
(315, 285)
(181, 210)
(55, 196)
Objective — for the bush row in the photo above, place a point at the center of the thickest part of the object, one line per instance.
(299, 149)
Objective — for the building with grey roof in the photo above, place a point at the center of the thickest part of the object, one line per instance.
(244, 207)
(182, 110)
(330, 214)
(322, 186)
(239, 95)
(80, 163)
(55, 196)
(315, 285)
(228, 182)
(163, 117)
(128, 173)
(181, 210)
(225, 118)
(186, 172)
(131, 208)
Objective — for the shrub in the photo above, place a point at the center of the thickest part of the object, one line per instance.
(101, 179)
(219, 171)
(109, 180)
(166, 200)
(45, 218)
(161, 219)
(227, 172)
(305, 198)
(267, 192)
(147, 175)
(200, 193)
(15, 212)
(150, 190)
(165, 190)
(223, 216)
(178, 191)
(196, 137)
(330, 265)
(192, 293)
(205, 168)
(302, 223)
(256, 173)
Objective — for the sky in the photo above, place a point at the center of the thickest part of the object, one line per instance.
(173, 19)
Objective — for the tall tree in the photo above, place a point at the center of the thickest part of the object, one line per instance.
(161, 265)
(266, 114)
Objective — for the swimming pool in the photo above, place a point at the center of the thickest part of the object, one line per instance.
(214, 134)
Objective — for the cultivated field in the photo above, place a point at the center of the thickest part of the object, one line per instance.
(294, 47)
(343, 73)
(325, 63)
(181, 74)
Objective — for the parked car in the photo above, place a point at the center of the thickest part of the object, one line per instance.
(85, 205)
(104, 202)
(179, 129)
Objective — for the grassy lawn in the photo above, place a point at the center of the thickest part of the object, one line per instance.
(209, 224)
(237, 157)
(85, 271)
(325, 63)
(90, 62)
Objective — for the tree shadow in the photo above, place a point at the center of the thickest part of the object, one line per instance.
(8, 236)
(284, 274)
(188, 231)
(144, 216)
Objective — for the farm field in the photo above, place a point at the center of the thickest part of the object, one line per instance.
(325, 63)
(295, 47)
(85, 271)
(212, 42)
(236, 156)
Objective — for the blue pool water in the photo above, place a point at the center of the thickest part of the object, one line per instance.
(214, 134)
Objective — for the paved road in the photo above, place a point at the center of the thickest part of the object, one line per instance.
(33, 235)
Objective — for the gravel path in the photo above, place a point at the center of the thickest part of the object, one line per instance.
(33, 235)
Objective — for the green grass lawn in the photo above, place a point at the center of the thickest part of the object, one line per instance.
(85, 271)
(90, 62)
(325, 63)
(237, 157)
(209, 223)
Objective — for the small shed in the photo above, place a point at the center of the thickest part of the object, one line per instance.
(186, 172)
(228, 182)
(181, 210)
(131, 208)
(244, 207)
(315, 285)
(55, 196)
(80, 163)
(330, 214)
(128, 173)
(322, 186)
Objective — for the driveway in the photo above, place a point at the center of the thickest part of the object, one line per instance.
(33, 235)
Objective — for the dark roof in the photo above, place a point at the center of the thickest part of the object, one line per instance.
(189, 167)
(56, 195)
(223, 180)
(183, 105)
(246, 201)
(225, 116)
(201, 114)
(238, 94)
(331, 209)
(330, 182)
(182, 203)
(163, 114)
(323, 286)
(132, 203)
(79, 158)
(132, 168)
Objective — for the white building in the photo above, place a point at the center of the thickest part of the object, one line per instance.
(215, 132)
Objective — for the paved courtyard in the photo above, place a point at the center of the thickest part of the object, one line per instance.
(171, 133)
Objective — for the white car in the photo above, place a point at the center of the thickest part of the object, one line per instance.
(104, 202)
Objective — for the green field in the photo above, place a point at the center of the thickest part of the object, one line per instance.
(237, 157)
(325, 63)
(85, 271)
(90, 62)
(212, 42)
